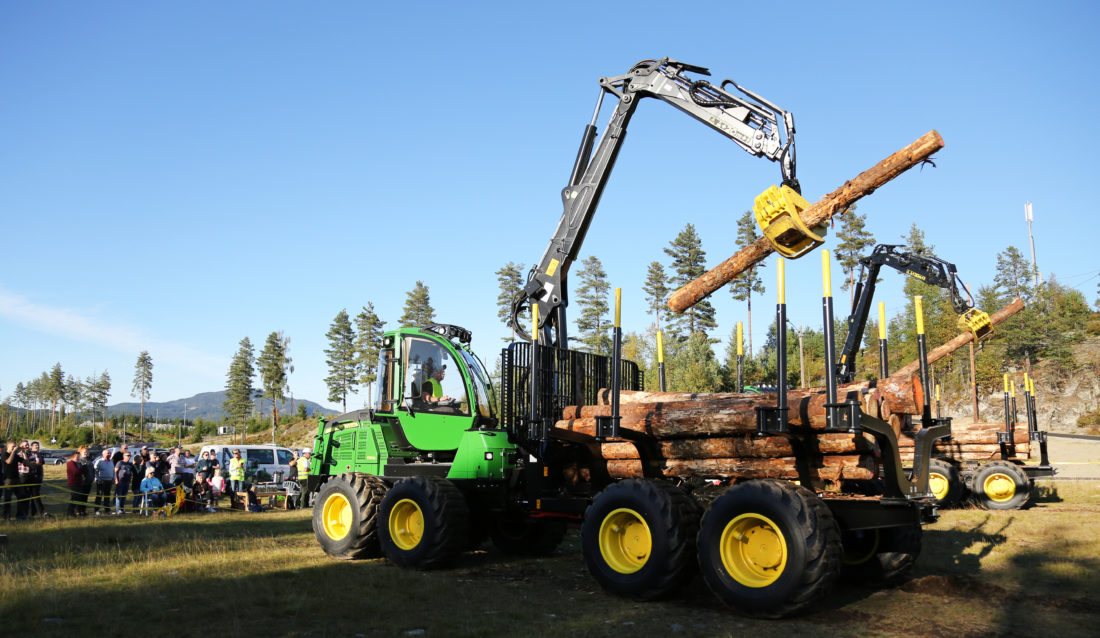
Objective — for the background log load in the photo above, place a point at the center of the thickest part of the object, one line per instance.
(823, 209)
(971, 442)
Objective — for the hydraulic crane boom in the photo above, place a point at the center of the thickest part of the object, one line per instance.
(753, 123)
(927, 268)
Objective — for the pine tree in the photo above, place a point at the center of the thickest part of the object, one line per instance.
(368, 339)
(694, 368)
(100, 390)
(343, 366)
(55, 390)
(655, 288)
(592, 323)
(688, 263)
(238, 383)
(750, 281)
(274, 367)
(853, 239)
(143, 382)
(510, 285)
(1013, 276)
(418, 310)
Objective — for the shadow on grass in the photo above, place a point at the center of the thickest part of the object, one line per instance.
(1047, 581)
(1045, 494)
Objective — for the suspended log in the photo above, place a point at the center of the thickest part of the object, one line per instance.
(826, 468)
(935, 354)
(825, 208)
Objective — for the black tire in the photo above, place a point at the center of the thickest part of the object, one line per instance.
(425, 523)
(1000, 485)
(900, 548)
(638, 538)
(345, 516)
(880, 556)
(787, 553)
(944, 482)
(517, 534)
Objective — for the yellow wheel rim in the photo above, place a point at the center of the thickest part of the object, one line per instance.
(406, 524)
(862, 548)
(336, 516)
(625, 541)
(753, 550)
(999, 487)
(939, 485)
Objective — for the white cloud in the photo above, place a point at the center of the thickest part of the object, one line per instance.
(127, 339)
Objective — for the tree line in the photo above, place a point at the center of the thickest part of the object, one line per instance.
(1055, 317)
(53, 403)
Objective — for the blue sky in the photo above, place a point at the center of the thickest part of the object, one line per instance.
(174, 177)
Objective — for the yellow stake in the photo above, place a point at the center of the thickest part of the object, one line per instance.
(826, 275)
(740, 340)
(881, 320)
(1006, 383)
(937, 392)
(534, 323)
(660, 348)
(618, 306)
(1027, 383)
(1012, 388)
(780, 277)
(918, 303)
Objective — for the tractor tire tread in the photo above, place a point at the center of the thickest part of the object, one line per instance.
(368, 491)
(821, 536)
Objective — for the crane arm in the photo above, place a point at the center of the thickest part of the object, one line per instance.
(927, 268)
(756, 125)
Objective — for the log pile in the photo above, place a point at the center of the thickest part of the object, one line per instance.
(714, 435)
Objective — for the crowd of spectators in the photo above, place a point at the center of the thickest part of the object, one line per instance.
(150, 479)
(22, 473)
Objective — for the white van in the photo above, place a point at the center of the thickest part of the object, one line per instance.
(257, 458)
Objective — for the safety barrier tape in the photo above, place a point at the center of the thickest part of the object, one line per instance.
(106, 500)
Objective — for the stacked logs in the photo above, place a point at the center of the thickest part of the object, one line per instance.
(714, 435)
(971, 442)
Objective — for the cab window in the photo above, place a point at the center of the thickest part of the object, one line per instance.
(433, 379)
(386, 400)
(285, 457)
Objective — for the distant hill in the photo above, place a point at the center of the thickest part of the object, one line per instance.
(207, 405)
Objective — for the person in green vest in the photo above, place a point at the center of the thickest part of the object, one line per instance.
(304, 463)
(236, 472)
(432, 390)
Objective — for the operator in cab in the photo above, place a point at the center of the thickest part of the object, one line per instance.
(432, 389)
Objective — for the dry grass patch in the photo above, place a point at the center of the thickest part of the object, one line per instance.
(1022, 573)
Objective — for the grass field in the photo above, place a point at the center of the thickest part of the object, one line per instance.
(1033, 572)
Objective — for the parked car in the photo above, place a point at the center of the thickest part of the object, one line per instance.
(56, 457)
(261, 461)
